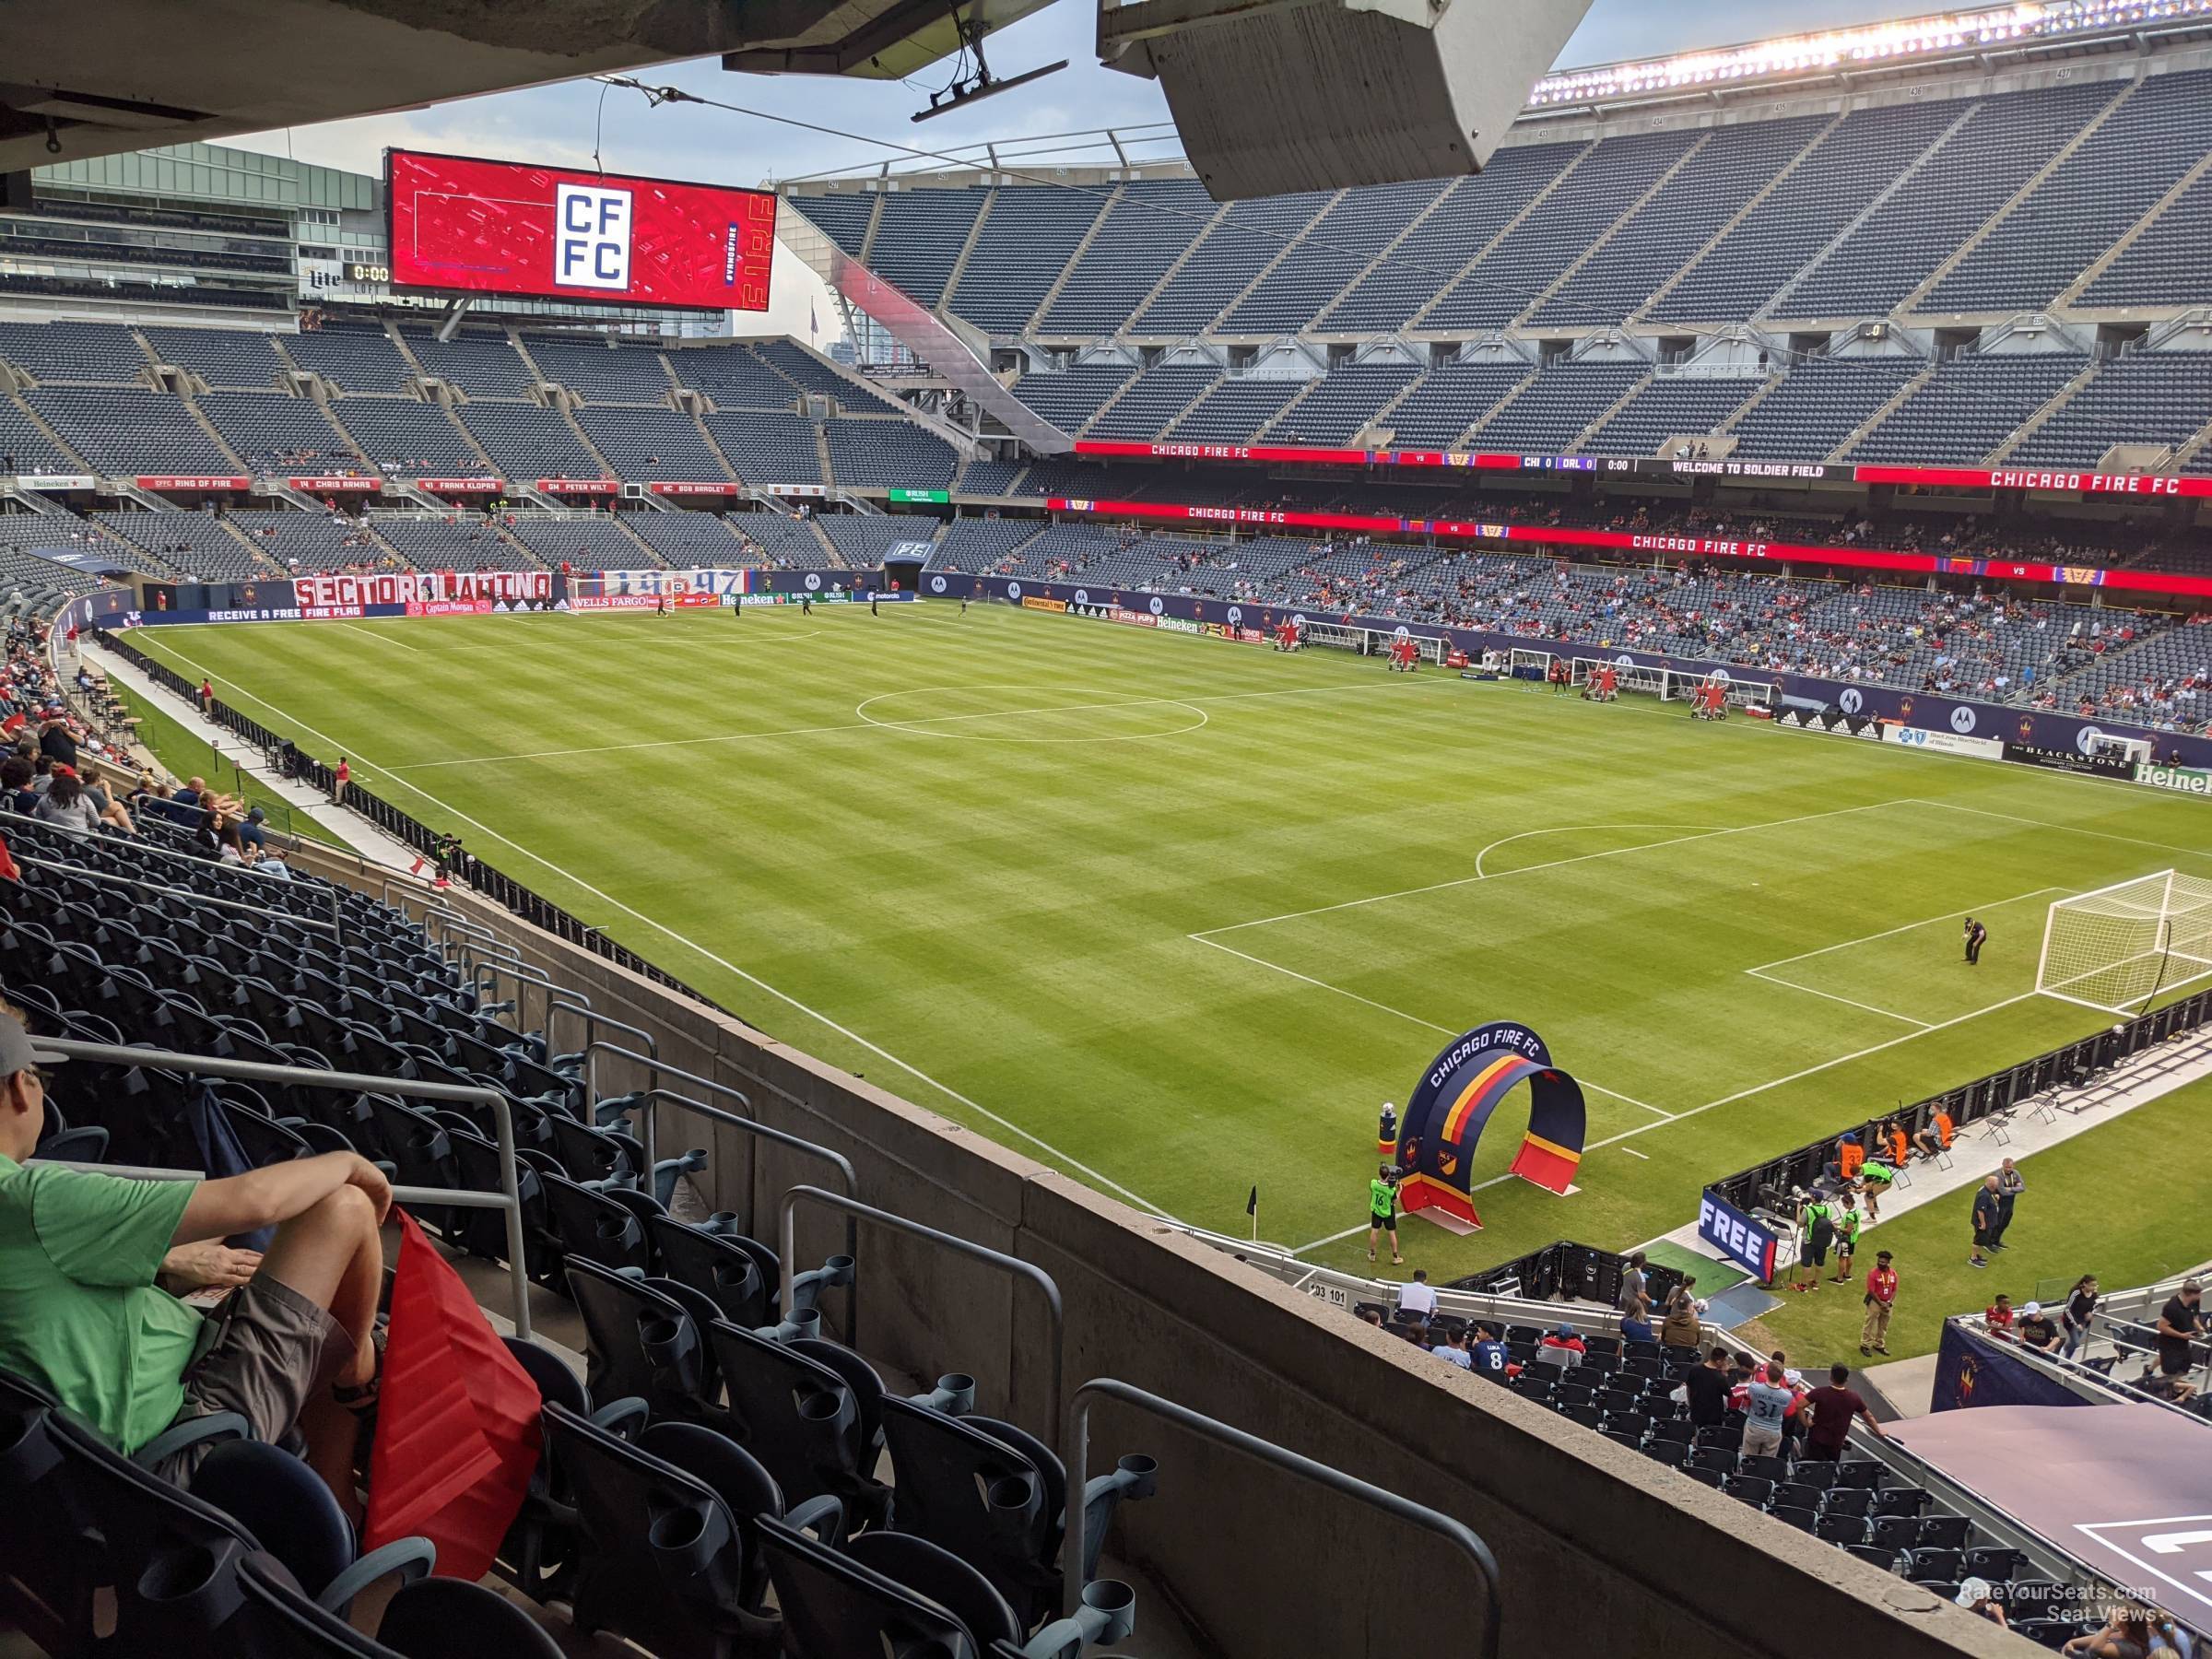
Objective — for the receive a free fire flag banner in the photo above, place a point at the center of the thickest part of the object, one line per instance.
(457, 1422)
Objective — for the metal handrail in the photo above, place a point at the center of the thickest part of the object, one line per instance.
(655, 1067)
(787, 1246)
(508, 1198)
(1460, 1535)
(592, 1019)
(782, 1137)
(84, 872)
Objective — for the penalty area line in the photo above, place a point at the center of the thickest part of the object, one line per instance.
(701, 951)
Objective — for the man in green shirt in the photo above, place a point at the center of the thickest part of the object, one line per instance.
(1382, 1212)
(83, 1312)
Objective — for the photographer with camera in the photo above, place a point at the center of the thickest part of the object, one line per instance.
(1383, 1211)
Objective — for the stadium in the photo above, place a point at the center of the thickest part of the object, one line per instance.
(675, 990)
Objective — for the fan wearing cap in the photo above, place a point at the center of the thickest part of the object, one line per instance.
(83, 1312)
(2036, 1328)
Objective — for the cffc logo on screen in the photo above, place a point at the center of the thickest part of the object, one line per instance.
(594, 247)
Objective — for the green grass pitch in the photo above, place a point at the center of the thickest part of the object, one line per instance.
(1178, 915)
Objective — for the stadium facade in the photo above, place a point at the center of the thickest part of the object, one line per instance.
(205, 230)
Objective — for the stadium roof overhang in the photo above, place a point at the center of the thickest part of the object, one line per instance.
(125, 74)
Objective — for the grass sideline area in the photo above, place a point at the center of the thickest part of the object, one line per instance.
(2116, 1202)
(187, 754)
(1177, 915)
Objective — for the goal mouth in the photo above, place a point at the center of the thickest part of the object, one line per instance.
(2120, 948)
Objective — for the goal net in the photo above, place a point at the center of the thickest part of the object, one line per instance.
(2118, 947)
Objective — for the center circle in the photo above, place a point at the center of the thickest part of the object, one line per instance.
(1054, 713)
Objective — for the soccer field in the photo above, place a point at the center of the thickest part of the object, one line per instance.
(1177, 916)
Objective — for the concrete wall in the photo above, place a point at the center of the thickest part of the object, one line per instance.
(1598, 1546)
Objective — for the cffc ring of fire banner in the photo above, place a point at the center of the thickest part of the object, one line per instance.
(1450, 1107)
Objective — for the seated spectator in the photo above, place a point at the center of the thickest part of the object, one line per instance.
(82, 1313)
(1562, 1347)
(16, 792)
(1490, 1357)
(1850, 1156)
(1998, 1316)
(1636, 1328)
(1977, 1596)
(1417, 1298)
(190, 794)
(251, 833)
(65, 807)
(2125, 1635)
(1895, 1149)
(1452, 1350)
(1935, 1139)
(272, 864)
(2037, 1328)
(1680, 1329)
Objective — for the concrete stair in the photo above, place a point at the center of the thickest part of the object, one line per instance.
(2072, 293)
(1859, 434)
(2027, 428)
(959, 265)
(1773, 307)
(1083, 248)
(1612, 409)
(1136, 311)
(1521, 385)
(1280, 254)
(1737, 219)
(1321, 320)
(1988, 226)
(1534, 204)
(1597, 247)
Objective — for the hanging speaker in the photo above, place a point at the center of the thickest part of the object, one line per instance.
(1289, 95)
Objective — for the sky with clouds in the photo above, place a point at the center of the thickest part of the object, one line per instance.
(562, 123)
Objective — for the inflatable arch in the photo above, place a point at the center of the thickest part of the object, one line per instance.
(1453, 1103)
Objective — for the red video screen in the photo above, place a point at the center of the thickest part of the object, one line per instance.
(466, 226)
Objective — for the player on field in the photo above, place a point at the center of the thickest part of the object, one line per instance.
(1976, 936)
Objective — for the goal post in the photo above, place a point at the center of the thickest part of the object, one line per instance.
(2119, 948)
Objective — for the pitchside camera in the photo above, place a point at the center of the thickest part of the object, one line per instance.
(1286, 95)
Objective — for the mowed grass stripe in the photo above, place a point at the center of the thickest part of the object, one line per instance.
(1010, 918)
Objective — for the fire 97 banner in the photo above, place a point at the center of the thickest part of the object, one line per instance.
(468, 226)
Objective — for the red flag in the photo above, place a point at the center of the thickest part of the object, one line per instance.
(457, 1424)
(7, 865)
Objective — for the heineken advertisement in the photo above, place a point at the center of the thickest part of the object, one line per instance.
(2181, 779)
(931, 498)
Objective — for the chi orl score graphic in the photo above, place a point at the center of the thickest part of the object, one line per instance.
(1446, 1114)
(464, 226)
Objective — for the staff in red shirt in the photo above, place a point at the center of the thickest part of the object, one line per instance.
(1881, 1297)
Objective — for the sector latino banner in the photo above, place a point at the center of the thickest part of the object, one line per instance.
(411, 587)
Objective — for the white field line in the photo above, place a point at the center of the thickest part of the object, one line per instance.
(2133, 841)
(382, 639)
(1768, 978)
(1633, 1153)
(720, 962)
(1950, 916)
(1439, 887)
(1398, 1013)
(864, 725)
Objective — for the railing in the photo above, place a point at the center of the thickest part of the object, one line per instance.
(461, 867)
(2001, 1091)
(1457, 1533)
(508, 1198)
(787, 1246)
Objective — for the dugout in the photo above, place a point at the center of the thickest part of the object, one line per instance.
(1566, 1271)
